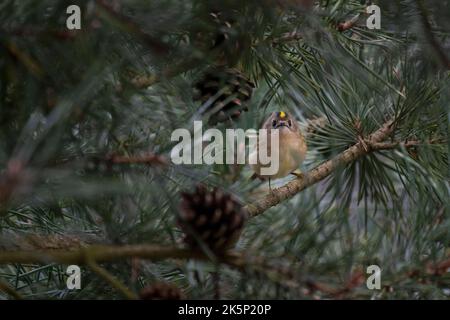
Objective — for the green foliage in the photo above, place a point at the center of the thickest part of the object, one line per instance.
(71, 99)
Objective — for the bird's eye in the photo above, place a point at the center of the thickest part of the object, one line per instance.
(290, 123)
(274, 123)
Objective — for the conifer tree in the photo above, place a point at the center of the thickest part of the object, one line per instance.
(87, 179)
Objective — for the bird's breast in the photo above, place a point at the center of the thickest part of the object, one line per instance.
(292, 151)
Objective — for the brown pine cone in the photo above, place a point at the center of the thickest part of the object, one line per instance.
(213, 217)
(230, 89)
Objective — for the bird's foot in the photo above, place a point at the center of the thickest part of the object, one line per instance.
(271, 190)
(298, 174)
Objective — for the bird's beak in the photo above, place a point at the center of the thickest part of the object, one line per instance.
(282, 124)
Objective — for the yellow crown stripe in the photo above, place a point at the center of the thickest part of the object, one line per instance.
(282, 114)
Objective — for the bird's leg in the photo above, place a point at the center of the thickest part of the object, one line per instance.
(270, 188)
(298, 174)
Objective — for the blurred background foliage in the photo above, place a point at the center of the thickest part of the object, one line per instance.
(73, 102)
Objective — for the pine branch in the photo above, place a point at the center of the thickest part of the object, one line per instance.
(113, 281)
(98, 253)
(148, 158)
(73, 250)
(11, 241)
(318, 173)
(403, 144)
(94, 254)
(315, 124)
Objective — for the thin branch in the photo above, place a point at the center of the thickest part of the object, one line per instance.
(296, 35)
(16, 176)
(98, 253)
(11, 241)
(91, 255)
(147, 80)
(72, 250)
(159, 47)
(428, 30)
(285, 275)
(148, 158)
(86, 255)
(10, 291)
(112, 280)
(354, 281)
(318, 173)
(406, 144)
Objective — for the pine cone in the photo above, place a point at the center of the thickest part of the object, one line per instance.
(213, 217)
(230, 90)
(223, 36)
(161, 291)
(223, 26)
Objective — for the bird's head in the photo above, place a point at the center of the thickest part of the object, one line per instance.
(281, 120)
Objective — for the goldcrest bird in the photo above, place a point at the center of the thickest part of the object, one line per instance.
(292, 146)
